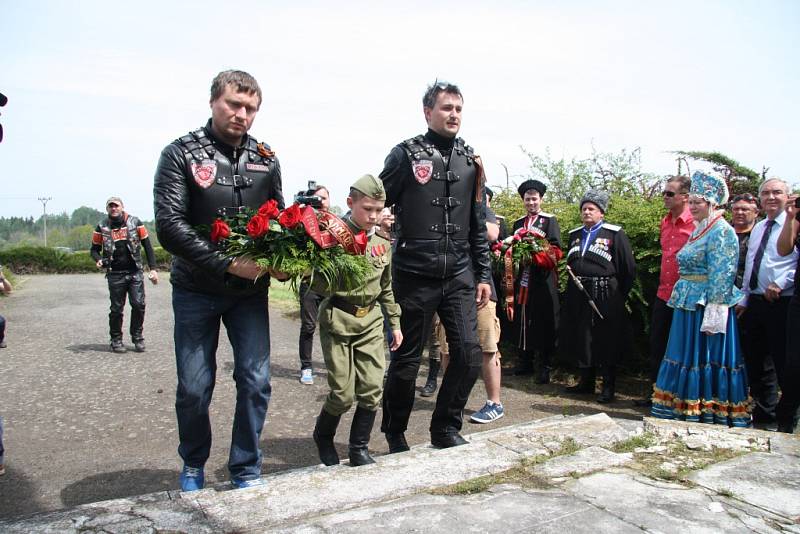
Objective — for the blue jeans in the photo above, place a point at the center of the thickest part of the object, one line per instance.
(197, 317)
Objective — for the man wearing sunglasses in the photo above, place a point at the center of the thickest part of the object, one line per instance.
(676, 227)
(441, 264)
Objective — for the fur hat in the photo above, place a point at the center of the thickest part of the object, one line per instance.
(527, 185)
(596, 197)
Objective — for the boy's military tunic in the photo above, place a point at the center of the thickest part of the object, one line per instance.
(603, 261)
(351, 332)
(542, 309)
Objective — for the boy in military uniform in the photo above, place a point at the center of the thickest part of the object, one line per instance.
(351, 333)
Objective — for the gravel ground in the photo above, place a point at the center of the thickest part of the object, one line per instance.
(83, 424)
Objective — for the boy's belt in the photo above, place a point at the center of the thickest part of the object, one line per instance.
(352, 309)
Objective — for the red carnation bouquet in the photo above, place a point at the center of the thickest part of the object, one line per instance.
(298, 241)
(519, 251)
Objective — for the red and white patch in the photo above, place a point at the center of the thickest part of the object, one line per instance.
(204, 173)
(423, 170)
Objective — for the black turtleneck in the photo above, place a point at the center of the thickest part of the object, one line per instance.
(443, 144)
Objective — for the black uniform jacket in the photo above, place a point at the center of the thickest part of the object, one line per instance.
(197, 178)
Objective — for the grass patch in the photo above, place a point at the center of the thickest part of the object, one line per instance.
(685, 461)
(568, 446)
(518, 475)
(641, 441)
(283, 297)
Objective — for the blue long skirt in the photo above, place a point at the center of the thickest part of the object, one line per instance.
(702, 377)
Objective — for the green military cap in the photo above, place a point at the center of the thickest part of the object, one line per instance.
(370, 186)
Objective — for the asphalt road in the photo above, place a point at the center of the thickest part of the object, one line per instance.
(83, 424)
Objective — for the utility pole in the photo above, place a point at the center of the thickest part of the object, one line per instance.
(44, 201)
(506, 168)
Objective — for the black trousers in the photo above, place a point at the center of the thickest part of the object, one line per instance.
(420, 298)
(309, 306)
(660, 323)
(120, 286)
(789, 372)
(764, 346)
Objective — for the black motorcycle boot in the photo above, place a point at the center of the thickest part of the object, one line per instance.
(543, 374)
(586, 382)
(609, 382)
(430, 385)
(360, 432)
(324, 431)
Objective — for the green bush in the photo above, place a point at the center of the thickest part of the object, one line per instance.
(34, 260)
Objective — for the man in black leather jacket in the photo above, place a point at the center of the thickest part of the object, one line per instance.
(212, 172)
(440, 264)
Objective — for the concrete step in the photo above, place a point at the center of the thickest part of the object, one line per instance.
(570, 455)
(317, 490)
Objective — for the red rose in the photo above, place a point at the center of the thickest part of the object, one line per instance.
(257, 226)
(291, 216)
(517, 238)
(361, 241)
(269, 209)
(496, 246)
(219, 231)
(522, 232)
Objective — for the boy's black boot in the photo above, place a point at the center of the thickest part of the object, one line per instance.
(324, 431)
(360, 432)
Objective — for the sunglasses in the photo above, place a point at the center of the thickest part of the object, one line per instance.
(747, 197)
(669, 194)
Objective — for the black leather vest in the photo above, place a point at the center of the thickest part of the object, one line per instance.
(133, 242)
(438, 201)
(220, 187)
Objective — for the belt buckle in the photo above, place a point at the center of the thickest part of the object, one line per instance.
(361, 312)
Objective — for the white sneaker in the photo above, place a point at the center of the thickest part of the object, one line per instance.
(306, 377)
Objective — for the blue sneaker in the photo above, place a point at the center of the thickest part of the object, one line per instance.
(192, 478)
(490, 412)
(239, 483)
(307, 377)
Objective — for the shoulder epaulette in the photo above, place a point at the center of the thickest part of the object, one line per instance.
(576, 229)
(545, 214)
(416, 147)
(612, 227)
(198, 144)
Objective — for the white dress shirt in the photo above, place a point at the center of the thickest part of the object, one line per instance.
(775, 269)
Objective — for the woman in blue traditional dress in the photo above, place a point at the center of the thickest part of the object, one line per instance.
(702, 376)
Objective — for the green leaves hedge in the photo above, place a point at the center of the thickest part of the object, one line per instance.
(35, 260)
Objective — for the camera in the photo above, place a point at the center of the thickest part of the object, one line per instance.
(308, 197)
(105, 262)
(797, 202)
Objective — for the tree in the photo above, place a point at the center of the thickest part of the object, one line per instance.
(86, 215)
(740, 179)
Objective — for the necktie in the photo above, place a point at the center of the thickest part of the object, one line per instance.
(760, 254)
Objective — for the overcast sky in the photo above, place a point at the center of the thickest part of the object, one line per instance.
(97, 89)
